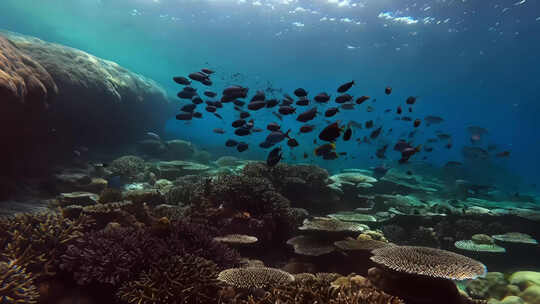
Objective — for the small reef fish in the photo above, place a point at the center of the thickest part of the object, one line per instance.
(300, 92)
(274, 157)
(345, 87)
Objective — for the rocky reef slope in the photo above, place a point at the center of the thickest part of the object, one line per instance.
(55, 98)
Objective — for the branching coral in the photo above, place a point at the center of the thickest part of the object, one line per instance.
(196, 239)
(36, 241)
(16, 286)
(310, 289)
(112, 256)
(178, 279)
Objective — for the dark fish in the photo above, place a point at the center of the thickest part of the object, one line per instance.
(256, 105)
(303, 101)
(369, 124)
(410, 109)
(451, 164)
(239, 103)
(242, 131)
(399, 110)
(238, 123)
(210, 109)
(401, 145)
(432, 120)
(300, 92)
(388, 90)
(236, 92)
(292, 143)
(218, 116)
(286, 110)
(274, 157)
(209, 94)
(322, 97)
(324, 149)
(231, 143)
(307, 115)
(207, 82)
(331, 112)
(345, 87)
(412, 134)
(417, 123)
(277, 136)
(387, 110)
(347, 134)
(288, 97)
(226, 98)
(219, 131)
(407, 153)
(343, 98)
(305, 155)
(184, 116)
(265, 145)
(256, 130)
(196, 99)
(188, 108)
(361, 99)
(207, 71)
(244, 114)
(259, 96)
(330, 155)
(347, 106)
(272, 103)
(307, 128)
(186, 94)
(448, 146)
(331, 132)
(287, 102)
(370, 109)
(375, 133)
(242, 146)
(411, 100)
(277, 115)
(190, 89)
(197, 114)
(273, 126)
(406, 118)
(182, 80)
(380, 171)
(381, 152)
(198, 76)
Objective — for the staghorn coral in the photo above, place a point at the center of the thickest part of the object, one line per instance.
(112, 256)
(430, 262)
(174, 280)
(255, 277)
(16, 286)
(36, 241)
(128, 166)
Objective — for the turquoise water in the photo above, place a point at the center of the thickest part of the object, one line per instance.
(470, 62)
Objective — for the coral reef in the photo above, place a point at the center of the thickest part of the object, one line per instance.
(36, 241)
(311, 245)
(16, 286)
(177, 279)
(110, 195)
(112, 256)
(128, 167)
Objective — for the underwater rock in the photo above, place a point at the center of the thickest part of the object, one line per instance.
(172, 170)
(525, 278)
(88, 100)
(180, 149)
(493, 285)
(78, 198)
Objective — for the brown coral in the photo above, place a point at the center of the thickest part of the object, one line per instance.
(178, 279)
(16, 286)
(431, 262)
(36, 241)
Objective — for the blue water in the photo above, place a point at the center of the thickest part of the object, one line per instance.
(470, 62)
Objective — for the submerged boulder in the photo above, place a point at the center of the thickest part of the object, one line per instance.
(57, 98)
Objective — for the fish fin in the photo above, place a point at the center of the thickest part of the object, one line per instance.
(287, 134)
